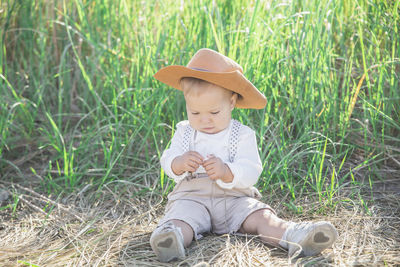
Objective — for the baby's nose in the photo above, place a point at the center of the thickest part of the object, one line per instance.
(205, 118)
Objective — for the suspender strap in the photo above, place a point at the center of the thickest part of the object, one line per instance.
(187, 134)
(233, 140)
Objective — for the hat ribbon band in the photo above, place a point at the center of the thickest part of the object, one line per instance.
(200, 69)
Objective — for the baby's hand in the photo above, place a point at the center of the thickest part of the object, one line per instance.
(217, 169)
(187, 162)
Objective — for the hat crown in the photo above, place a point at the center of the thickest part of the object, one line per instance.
(212, 61)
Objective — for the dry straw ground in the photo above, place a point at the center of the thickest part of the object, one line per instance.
(104, 229)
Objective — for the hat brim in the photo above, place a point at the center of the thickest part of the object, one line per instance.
(249, 96)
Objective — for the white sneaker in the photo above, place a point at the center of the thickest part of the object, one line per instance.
(309, 238)
(167, 242)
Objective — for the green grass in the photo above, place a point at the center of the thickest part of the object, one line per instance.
(77, 88)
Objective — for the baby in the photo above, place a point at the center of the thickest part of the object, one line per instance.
(215, 163)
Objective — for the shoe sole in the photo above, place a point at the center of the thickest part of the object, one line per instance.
(167, 247)
(321, 237)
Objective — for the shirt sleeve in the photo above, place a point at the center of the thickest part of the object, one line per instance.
(247, 165)
(174, 150)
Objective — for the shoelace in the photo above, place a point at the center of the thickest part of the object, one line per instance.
(166, 227)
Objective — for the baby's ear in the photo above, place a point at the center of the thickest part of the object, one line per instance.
(233, 100)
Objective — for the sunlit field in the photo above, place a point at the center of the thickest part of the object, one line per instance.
(80, 111)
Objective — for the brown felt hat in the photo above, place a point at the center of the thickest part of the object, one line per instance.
(218, 69)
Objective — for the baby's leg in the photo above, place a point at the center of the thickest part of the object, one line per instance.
(303, 239)
(187, 231)
(266, 224)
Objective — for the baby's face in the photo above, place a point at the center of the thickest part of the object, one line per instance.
(209, 108)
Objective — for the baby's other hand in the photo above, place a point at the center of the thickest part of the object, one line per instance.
(217, 169)
(187, 162)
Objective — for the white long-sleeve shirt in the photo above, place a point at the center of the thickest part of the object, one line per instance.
(246, 167)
